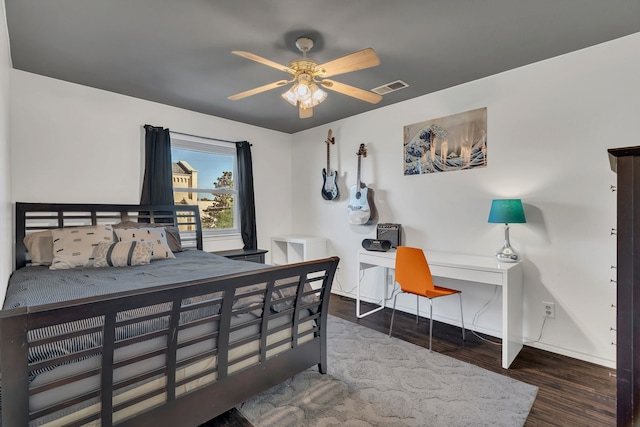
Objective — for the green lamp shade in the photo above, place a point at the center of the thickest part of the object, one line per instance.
(507, 211)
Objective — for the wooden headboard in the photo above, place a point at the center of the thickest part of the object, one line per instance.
(33, 217)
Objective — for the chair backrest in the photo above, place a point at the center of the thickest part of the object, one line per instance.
(412, 270)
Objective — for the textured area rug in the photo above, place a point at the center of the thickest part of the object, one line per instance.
(376, 380)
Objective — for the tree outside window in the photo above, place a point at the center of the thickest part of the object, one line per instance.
(219, 214)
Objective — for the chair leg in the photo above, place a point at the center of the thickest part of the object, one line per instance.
(461, 317)
(393, 313)
(430, 322)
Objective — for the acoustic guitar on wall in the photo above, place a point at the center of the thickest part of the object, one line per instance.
(359, 210)
(329, 180)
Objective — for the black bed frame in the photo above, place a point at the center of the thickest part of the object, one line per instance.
(195, 407)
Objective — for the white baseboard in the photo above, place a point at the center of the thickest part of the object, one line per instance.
(574, 354)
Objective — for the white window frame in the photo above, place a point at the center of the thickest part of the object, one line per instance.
(204, 145)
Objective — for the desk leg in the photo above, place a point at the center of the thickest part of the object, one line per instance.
(360, 315)
(512, 313)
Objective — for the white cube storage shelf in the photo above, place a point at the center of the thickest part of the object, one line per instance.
(292, 249)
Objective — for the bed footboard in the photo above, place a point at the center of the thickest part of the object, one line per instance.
(214, 343)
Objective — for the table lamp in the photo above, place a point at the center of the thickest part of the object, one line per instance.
(507, 211)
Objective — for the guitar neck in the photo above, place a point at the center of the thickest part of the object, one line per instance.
(328, 156)
(330, 140)
(362, 152)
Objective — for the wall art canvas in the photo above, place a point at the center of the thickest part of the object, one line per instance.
(449, 143)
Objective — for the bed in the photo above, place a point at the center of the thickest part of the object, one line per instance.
(174, 341)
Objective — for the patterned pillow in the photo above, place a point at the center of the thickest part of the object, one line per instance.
(173, 234)
(121, 254)
(40, 247)
(156, 235)
(74, 246)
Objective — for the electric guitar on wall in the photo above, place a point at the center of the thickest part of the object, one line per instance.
(359, 211)
(329, 185)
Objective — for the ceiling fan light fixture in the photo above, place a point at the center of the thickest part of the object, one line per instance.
(290, 96)
(304, 93)
(302, 90)
(306, 103)
(317, 94)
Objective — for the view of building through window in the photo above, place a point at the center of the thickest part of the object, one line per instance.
(206, 179)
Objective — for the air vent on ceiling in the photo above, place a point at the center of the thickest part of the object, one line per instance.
(390, 87)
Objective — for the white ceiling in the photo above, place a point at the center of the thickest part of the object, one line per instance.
(179, 52)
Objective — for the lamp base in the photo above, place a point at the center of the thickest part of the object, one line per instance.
(506, 253)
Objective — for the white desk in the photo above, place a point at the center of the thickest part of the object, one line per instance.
(468, 268)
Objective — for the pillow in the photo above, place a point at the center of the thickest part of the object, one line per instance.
(173, 234)
(74, 246)
(155, 235)
(40, 247)
(121, 254)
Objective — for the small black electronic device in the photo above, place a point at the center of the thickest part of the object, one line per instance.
(390, 232)
(376, 245)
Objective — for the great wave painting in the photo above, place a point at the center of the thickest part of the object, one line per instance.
(449, 143)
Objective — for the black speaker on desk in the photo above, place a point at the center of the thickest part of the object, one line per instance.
(376, 245)
(390, 232)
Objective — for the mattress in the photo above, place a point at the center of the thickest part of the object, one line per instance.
(238, 360)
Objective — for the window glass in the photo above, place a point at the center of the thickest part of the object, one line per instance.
(204, 175)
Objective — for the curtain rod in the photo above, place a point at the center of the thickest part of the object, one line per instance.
(203, 137)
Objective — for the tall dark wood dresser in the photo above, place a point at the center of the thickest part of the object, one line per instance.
(626, 163)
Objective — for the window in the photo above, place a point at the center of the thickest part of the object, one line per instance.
(204, 174)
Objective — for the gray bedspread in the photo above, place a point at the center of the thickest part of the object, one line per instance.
(31, 286)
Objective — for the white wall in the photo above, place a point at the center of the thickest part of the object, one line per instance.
(72, 143)
(549, 125)
(5, 165)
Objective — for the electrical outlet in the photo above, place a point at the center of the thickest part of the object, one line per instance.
(549, 310)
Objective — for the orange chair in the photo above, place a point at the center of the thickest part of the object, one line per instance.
(414, 276)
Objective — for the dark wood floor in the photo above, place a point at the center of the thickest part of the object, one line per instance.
(571, 392)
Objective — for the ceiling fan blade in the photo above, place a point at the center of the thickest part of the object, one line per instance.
(264, 61)
(361, 94)
(355, 61)
(258, 90)
(305, 113)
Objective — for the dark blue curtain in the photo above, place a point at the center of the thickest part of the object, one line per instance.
(157, 186)
(245, 194)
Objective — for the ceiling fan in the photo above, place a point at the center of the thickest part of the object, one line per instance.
(307, 75)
